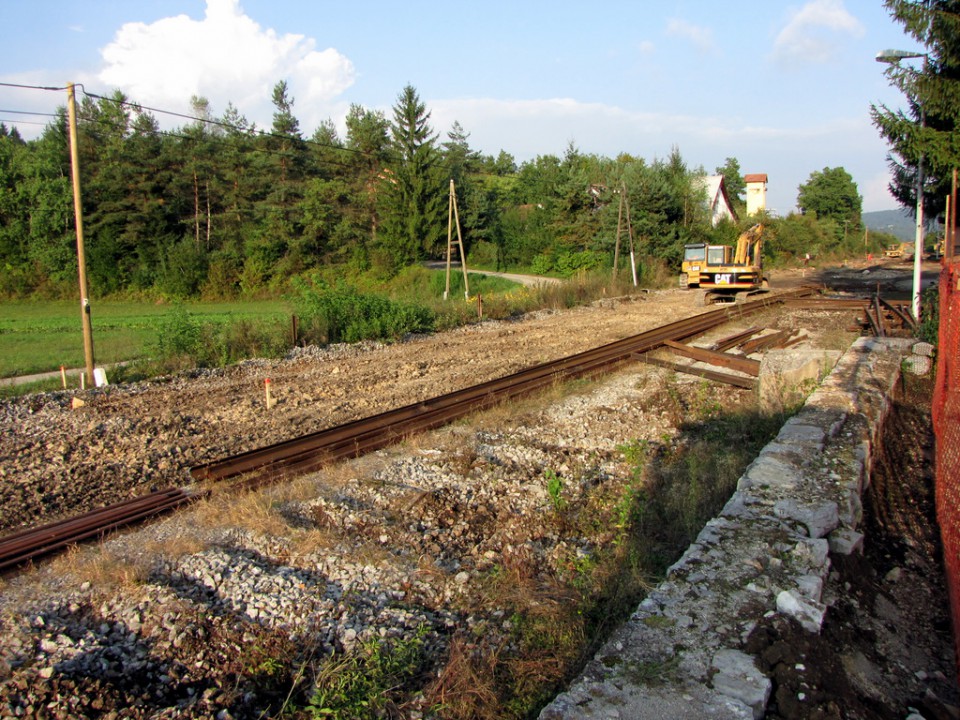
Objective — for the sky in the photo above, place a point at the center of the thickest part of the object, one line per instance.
(783, 87)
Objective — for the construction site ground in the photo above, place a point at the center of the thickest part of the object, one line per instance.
(887, 643)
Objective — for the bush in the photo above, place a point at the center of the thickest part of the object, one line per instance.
(183, 341)
(179, 335)
(929, 328)
(343, 314)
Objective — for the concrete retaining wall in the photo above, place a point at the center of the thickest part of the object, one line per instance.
(679, 655)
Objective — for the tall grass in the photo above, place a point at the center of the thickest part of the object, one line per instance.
(158, 339)
(41, 336)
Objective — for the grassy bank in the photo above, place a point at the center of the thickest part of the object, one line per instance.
(40, 336)
(162, 337)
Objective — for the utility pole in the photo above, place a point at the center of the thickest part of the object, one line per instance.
(624, 205)
(78, 219)
(454, 215)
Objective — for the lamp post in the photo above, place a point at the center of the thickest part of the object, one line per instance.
(893, 57)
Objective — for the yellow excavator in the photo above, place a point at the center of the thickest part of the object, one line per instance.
(740, 275)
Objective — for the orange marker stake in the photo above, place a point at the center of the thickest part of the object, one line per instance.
(63, 376)
(266, 388)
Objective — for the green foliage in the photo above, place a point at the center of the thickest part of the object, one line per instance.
(734, 183)
(555, 490)
(184, 340)
(695, 475)
(179, 335)
(925, 132)
(225, 212)
(929, 328)
(413, 188)
(341, 313)
(831, 194)
(363, 683)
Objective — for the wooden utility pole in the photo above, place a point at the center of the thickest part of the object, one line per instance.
(616, 246)
(624, 204)
(633, 259)
(78, 220)
(454, 215)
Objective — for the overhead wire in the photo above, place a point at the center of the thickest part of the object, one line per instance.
(219, 123)
(207, 121)
(32, 87)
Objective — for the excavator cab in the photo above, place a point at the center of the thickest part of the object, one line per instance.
(742, 274)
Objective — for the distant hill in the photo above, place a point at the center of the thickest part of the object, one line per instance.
(896, 222)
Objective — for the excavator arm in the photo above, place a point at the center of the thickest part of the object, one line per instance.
(749, 245)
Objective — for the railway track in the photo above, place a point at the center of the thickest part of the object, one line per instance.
(311, 452)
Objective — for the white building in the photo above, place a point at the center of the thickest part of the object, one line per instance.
(756, 192)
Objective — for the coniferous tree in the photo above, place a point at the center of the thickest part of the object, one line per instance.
(413, 190)
(929, 129)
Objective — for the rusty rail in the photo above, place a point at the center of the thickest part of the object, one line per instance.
(26, 545)
(310, 452)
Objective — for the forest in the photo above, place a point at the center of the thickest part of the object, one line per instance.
(218, 208)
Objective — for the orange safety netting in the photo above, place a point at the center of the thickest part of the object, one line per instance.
(946, 427)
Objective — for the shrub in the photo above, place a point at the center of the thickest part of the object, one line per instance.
(184, 341)
(343, 314)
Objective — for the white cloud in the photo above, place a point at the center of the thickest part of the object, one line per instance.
(701, 37)
(811, 32)
(646, 47)
(225, 57)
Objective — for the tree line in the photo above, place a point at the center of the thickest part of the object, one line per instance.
(219, 208)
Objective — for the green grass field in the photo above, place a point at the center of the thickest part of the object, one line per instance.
(41, 336)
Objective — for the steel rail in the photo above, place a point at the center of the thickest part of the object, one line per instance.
(309, 452)
(352, 439)
(21, 547)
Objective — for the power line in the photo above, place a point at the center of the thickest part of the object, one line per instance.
(28, 112)
(219, 123)
(22, 122)
(32, 87)
(190, 138)
(208, 121)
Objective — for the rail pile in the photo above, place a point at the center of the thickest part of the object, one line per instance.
(353, 439)
(879, 316)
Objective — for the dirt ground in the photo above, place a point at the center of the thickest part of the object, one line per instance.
(886, 647)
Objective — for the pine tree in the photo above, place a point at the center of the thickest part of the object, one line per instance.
(415, 194)
(929, 129)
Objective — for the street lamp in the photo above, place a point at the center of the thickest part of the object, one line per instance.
(893, 57)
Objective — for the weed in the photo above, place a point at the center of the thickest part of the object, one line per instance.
(367, 681)
(465, 687)
(652, 672)
(555, 490)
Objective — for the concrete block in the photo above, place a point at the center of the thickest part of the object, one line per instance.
(820, 518)
(810, 586)
(807, 612)
(917, 364)
(923, 348)
(767, 471)
(846, 541)
(790, 374)
(738, 677)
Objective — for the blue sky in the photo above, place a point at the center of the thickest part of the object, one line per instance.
(785, 88)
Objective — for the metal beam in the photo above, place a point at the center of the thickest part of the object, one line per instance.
(733, 362)
(736, 380)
